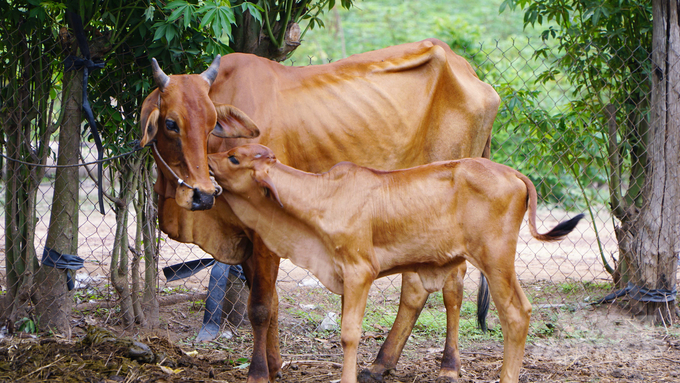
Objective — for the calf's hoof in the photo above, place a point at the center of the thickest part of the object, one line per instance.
(366, 376)
(275, 377)
(257, 380)
(447, 375)
(446, 379)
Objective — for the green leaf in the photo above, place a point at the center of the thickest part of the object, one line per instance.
(160, 32)
(596, 16)
(502, 7)
(176, 4)
(170, 33)
(229, 15)
(217, 26)
(149, 13)
(187, 16)
(208, 18)
(142, 30)
(222, 23)
(254, 10)
(176, 14)
(38, 13)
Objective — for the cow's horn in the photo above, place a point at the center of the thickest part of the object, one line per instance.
(162, 79)
(210, 74)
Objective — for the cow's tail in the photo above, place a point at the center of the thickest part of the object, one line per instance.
(558, 232)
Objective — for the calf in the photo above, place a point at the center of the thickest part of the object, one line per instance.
(353, 224)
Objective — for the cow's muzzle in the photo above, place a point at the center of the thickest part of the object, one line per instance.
(202, 200)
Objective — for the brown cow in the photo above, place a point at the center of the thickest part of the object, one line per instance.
(352, 224)
(393, 108)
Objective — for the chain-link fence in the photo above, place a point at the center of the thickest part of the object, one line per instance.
(561, 141)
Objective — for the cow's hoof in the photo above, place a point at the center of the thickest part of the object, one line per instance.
(366, 376)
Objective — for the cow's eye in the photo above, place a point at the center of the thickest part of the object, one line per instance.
(233, 160)
(171, 125)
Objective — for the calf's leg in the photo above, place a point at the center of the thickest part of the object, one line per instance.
(411, 303)
(353, 306)
(453, 299)
(514, 311)
(261, 270)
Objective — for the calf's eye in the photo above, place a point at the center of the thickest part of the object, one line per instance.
(171, 125)
(233, 160)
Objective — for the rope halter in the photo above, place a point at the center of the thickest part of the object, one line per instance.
(180, 181)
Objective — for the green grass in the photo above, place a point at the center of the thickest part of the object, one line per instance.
(552, 303)
(175, 290)
(432, 321)
(570, 290)
(374, 24)
(196, 306)
(86, 295)
(563, 300)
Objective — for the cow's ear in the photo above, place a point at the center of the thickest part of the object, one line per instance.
(262, 178)
(233, 123)
(149, 119)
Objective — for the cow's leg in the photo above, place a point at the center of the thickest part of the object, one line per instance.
(261, 269)
(514, 311)
(353, 306)
(274, 361)
(453, 299)
(411, 303)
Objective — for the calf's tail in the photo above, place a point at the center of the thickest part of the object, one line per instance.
(558, 232)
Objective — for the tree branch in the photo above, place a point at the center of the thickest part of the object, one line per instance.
(615, 163)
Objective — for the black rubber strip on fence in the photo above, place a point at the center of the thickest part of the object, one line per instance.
(641, 294)
(187, 269)
(214, 302)
(75, 63)
(68, 262)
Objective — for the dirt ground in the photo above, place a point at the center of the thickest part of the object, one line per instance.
(586, 345)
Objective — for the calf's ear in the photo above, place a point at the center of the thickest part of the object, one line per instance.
(233, 123)
(149, 119)
(263, 179)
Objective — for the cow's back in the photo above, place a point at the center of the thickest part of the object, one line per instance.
(392, 108)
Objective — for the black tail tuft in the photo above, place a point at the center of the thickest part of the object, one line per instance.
(564, 228)
(482, 302)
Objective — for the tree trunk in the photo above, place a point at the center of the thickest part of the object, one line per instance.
(251, 37)
(119, 258)
(136, 296)
(54, 301)
(149, 217)
(20, 195)
(652, 245)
